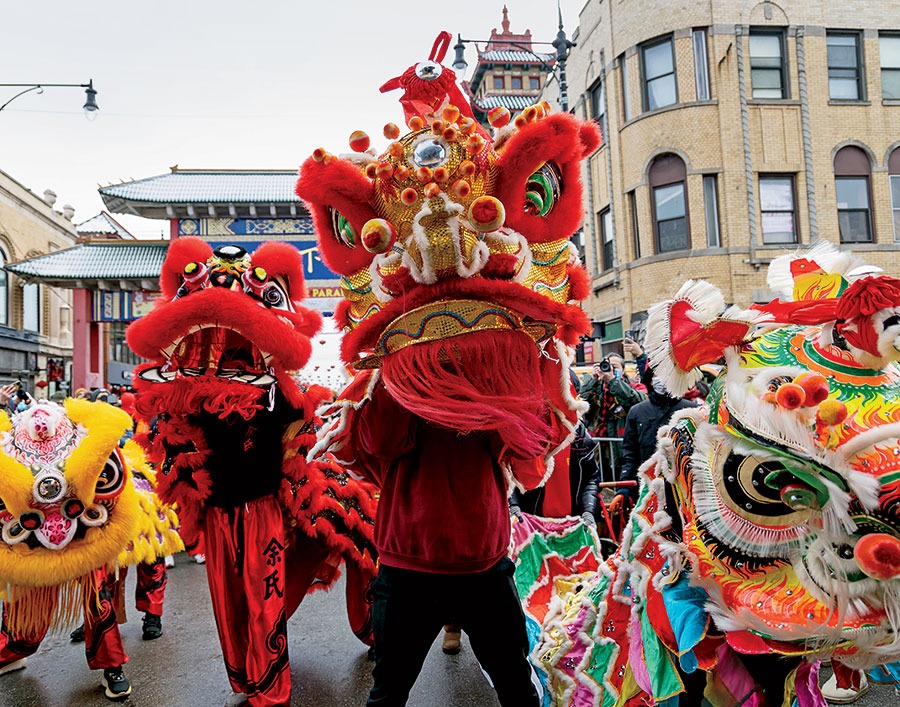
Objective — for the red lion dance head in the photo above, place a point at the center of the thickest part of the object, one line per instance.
(459, 280)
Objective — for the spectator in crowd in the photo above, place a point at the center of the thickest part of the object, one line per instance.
(641, 426)
(610, 397)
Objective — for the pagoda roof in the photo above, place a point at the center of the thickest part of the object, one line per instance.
(103, 225)
(512, 102)
(515, 56)
(207, 194)
(128, 265)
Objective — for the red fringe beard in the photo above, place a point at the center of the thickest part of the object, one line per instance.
(192, 396)
(475, 382)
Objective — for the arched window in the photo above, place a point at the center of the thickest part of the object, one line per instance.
(851, 186)
(668, 196)
(4, 289)
(894, 170)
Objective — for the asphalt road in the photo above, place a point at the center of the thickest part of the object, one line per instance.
(184, 667)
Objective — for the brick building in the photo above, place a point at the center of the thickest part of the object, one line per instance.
(35, 320)
(734, 133)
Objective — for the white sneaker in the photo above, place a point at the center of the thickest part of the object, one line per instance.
(843, 695)
(170, 562)
(200, 559)
(237, 699)
(12, 667)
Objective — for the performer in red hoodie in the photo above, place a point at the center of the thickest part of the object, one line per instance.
(461, 304)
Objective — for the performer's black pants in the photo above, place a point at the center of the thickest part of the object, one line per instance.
(412, 607)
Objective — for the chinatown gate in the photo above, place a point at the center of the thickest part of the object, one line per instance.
(116, 282)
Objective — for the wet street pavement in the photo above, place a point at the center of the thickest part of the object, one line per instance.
(184, 667)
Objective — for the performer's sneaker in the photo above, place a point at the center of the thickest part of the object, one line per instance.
(451, 643)
(77, 636)
(236, 699)
(12, 667)
(152, 627)
(843, 695)
(116, 684)
(200, 558)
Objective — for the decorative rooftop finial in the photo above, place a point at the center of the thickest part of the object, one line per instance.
(559, 9)
(505, 23)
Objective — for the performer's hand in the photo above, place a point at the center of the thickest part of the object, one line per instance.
(515, 511)
(588, 518)
(617, 502)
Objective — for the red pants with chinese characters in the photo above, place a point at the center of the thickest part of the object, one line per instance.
(102, 641)
(149, 592)
(256, 580)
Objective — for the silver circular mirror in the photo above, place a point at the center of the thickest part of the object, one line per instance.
(428, 70)
(429, 153)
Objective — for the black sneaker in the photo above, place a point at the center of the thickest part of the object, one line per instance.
(116, 685)
(77, 636)
(152, 626)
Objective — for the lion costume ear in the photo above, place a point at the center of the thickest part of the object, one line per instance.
(188, 249)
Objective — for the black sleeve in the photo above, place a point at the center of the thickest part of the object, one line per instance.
(631, 455)
(515, 498)
(589, 472)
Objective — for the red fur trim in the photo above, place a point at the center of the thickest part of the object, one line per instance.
(475, 383)
(339, 185)
(591, 138)
(571, 319)
(579, 283)
(264, 327)
(500, 266)
(188, 249)
(559, 139)
(341, 314)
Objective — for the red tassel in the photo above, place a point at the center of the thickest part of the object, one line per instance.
(475, 382)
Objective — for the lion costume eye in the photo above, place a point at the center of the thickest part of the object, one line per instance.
(343, 230)
(275, 297)
(542, 190)
(111, 479)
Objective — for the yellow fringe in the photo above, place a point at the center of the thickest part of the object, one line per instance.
(28, 608)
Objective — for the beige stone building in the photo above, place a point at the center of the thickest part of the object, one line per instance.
(35, 320)
(734, 132)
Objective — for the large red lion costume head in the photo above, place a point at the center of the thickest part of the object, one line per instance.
(454, 258)
(227, 330)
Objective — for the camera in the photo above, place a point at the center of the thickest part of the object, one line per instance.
(605, 365)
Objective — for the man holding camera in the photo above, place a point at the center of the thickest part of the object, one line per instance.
(610, 397)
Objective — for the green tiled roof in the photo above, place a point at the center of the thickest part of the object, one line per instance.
(203, 187)
(96, 261)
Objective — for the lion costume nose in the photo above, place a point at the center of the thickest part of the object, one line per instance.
(878, 555)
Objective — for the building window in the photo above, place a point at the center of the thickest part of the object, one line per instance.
(626, 95)
(889, 48)
(658, 70)
(606, 239)
(4, 290)
(701, 65)
(669, 201)
(711, 210)
(776, 206)
(894, 169)
(635, 228)
(768, 73)
(598, 101)
(118, 347)
(31, 307)
(516, 82)
(851, 186)
(845, 66)
(534, 83)
(499, 82)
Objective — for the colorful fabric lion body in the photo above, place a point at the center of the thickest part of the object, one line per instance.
(71, 502)
(767, 531)
(230, 431)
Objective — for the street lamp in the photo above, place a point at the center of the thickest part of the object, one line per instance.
(561, 44)
(90, 103)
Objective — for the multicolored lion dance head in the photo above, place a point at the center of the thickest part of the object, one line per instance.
(70, 504)
(459, 280)
(768, 522)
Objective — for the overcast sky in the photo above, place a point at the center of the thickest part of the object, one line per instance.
(251, 84)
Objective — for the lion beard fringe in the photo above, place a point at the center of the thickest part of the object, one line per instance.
(475, 382)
